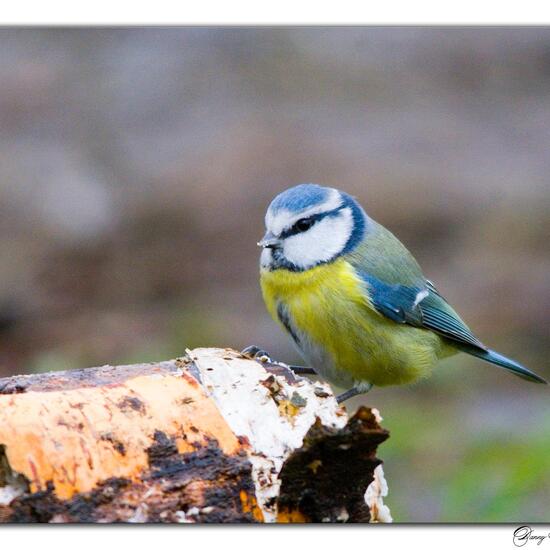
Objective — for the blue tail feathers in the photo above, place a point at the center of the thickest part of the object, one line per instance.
(505, 363)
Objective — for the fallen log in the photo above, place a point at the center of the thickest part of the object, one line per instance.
(212, 437)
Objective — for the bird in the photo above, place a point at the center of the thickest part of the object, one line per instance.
(352, 297)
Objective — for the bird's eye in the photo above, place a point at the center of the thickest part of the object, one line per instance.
(303, 225)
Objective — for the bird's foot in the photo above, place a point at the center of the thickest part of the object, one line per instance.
(360, 389)
(260, 355)
(257, 353)
(297, 369)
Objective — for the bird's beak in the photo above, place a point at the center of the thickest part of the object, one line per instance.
(269, 241)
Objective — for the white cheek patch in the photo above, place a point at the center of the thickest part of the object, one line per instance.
(285, 218)
(322, 242)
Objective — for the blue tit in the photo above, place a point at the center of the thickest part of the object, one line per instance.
(354, 299)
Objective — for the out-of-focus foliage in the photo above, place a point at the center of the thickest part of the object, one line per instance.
(136, 166)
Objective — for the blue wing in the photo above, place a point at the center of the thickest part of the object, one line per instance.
(399, 291)
(420, 306)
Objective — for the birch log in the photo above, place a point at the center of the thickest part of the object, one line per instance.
(212, 437)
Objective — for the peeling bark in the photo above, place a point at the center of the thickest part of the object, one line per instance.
(209, 438)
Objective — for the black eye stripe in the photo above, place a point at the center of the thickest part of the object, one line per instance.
(304, 224)
(312, 220)
(300, 226)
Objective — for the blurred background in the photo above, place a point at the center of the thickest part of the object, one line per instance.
(136, 165)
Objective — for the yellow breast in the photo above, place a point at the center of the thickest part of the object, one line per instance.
(323, 283)
(329, 306)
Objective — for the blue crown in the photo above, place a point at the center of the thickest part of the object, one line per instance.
(299, 197)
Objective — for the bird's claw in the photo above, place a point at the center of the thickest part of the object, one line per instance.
(297, 369)
(257, 353)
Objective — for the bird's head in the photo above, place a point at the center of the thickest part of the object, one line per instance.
(308, 225)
